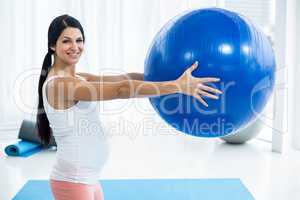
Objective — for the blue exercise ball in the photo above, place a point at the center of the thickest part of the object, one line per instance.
(228, 46)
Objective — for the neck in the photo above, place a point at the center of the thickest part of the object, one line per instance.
(62, 68)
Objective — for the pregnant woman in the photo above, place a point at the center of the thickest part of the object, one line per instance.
(67, 109)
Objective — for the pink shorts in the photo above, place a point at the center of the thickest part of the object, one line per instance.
(63, 190)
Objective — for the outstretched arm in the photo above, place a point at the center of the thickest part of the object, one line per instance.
(73, 89)
(111, 78)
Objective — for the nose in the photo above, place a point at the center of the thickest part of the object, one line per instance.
(74, 46)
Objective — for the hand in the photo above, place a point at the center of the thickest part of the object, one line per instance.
(197, 87)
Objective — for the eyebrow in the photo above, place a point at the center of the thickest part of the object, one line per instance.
(71, 38)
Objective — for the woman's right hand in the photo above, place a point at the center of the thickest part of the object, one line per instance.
(196, 87)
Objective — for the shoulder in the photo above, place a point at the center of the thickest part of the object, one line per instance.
(65, 82)
(67, 88)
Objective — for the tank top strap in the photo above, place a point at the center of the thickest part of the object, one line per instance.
(45, 87)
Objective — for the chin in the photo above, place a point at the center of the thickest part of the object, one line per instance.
(72, 61)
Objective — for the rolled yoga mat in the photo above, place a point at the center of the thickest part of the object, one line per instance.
(23, 149)
(152, 189)
(28, 132)
(30, 142)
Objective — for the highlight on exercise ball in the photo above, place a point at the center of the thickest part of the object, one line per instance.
(227, 45)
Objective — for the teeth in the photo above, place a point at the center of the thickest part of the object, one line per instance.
(73, 54)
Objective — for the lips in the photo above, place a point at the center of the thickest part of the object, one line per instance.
(73, 55)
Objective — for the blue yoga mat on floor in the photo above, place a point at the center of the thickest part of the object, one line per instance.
(152, 189)
(23, 148)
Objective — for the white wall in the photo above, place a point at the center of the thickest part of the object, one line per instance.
(293, 57)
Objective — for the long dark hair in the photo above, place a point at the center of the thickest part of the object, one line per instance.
(56, 27)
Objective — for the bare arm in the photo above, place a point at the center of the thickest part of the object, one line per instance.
(111, 78)
(73, 89)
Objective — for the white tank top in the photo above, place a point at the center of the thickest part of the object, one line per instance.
(82, 146)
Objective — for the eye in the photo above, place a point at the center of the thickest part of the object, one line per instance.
(65, 41)
(80, 40)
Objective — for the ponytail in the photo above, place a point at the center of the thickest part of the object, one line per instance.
(56, 27)
(43, 128)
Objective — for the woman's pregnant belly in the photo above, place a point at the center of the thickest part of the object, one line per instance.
(83, 159)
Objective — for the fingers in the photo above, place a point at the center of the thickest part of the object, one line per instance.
(209, 80)
(206, 94)
(193, 67)
(197, 96)
(203, 91)
(209, 89)
(205, 79)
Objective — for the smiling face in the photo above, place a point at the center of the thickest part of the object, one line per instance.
(69, 46)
